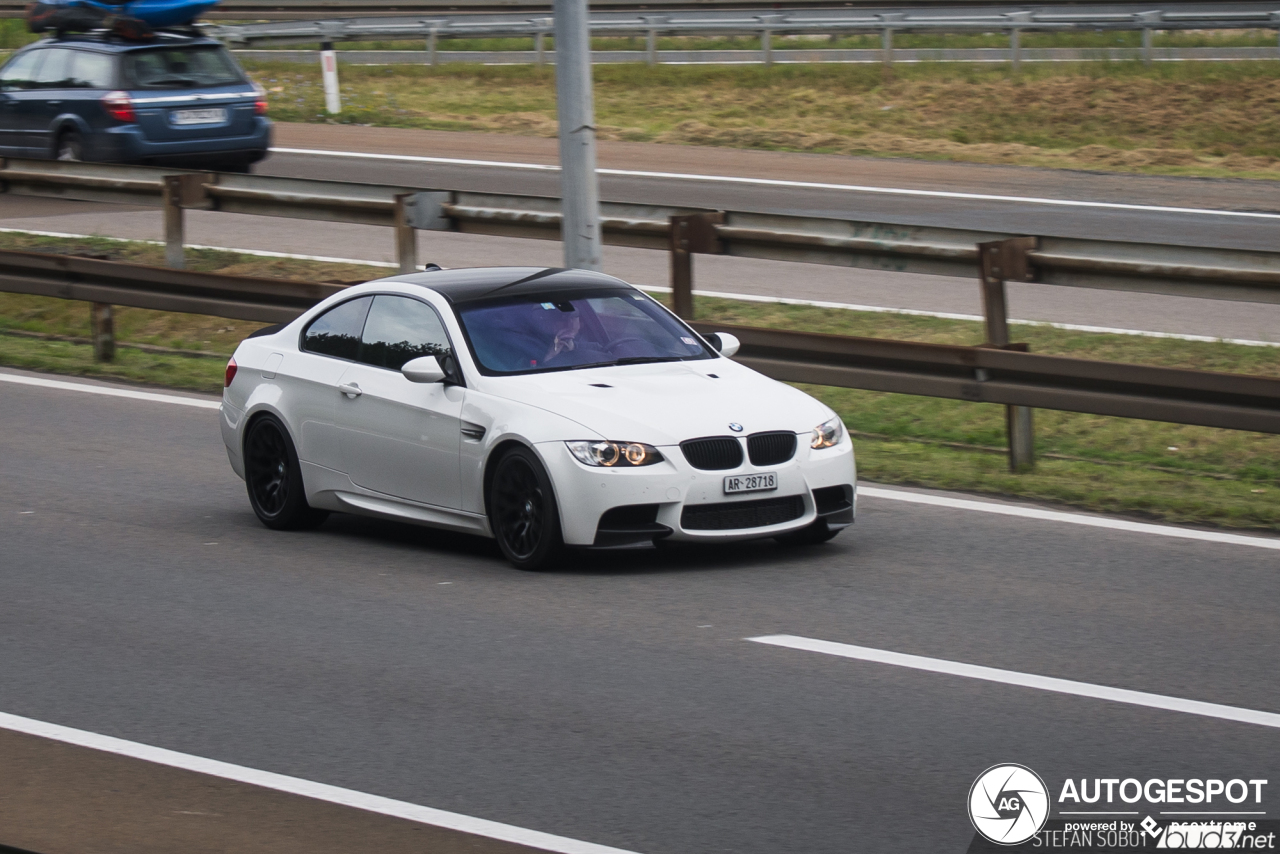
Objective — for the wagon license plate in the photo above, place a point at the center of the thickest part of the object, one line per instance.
(199, 117)
(750, 482)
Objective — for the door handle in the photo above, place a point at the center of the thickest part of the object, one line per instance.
(351, 390)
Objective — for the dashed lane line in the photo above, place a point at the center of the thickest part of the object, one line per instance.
(1025, 680)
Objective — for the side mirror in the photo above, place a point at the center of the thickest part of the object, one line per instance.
(424, 369)
(725, 343)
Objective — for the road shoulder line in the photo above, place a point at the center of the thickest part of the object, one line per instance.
(306, 788)
(1025, 512)
(109, 391)
(799, 185)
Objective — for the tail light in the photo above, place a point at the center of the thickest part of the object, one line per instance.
(260, 106)
(119, 106)
(231, 373)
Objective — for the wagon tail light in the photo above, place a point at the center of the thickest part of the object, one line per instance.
(231, 373)
(119, 106)
(260, 101)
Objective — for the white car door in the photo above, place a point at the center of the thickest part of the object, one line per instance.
(401, 438)
(309, 379)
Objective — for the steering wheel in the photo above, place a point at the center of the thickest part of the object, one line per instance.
(613, 346)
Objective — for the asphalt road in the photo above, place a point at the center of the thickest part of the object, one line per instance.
(615, 701)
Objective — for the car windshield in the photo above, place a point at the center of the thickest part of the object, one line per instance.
(181, 67)
(581, 329)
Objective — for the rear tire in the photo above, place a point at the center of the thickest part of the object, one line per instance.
(70, 146)
(523, 512)
(274, 478)
(814, 534)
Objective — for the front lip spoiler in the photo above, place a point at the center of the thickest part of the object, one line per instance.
(637, 537)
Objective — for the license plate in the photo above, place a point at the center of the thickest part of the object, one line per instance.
(750, 482)
(199, 117)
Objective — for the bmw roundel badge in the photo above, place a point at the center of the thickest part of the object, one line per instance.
(735, 426)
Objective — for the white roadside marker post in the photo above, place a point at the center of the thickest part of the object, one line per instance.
(579, 187)
(329, 73)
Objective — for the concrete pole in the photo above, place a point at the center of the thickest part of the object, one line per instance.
(433, 40)
(579, 189)
(1015, 48)
(329, 72)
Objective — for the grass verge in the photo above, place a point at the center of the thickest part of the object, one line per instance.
(1161, 471)
(1190, 118)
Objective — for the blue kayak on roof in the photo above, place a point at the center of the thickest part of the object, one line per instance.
(137, 17)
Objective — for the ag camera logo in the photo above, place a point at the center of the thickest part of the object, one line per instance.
(1008, 804)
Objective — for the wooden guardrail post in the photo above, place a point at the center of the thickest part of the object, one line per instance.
(102, 331)
(690, 233)
(1002, 260)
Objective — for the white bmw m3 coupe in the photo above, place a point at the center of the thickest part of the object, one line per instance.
(545, 408)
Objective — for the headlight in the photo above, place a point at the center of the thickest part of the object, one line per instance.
(611, 454)
(827, 434)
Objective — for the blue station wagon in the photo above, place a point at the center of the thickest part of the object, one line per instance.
(177, 100)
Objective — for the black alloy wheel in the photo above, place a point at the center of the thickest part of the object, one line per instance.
(523, 512)
(274, 478)
(70, 146)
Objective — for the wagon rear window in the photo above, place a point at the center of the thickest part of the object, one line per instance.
(181, 68)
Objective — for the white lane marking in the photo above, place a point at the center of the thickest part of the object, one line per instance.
(306, 788)
(778, 182)
(255, 252)
(110, 391)
(1074, 327)
(1025, 680)
(1068, 518)
(946, 315)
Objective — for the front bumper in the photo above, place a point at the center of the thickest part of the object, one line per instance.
(585, 494)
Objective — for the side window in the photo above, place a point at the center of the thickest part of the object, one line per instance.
(91, 70)
(400, 329)
(337, 331)
(54, 71)
(20, 71)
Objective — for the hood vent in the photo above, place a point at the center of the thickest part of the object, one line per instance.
(713, 453)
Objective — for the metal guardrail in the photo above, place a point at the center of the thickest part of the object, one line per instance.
(990, 375)
(1212, 273)
(764, 26)
(979, 374)
(238, 10)
(778, 54)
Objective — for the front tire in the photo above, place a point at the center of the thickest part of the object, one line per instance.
(523, 512)
(274, 478)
